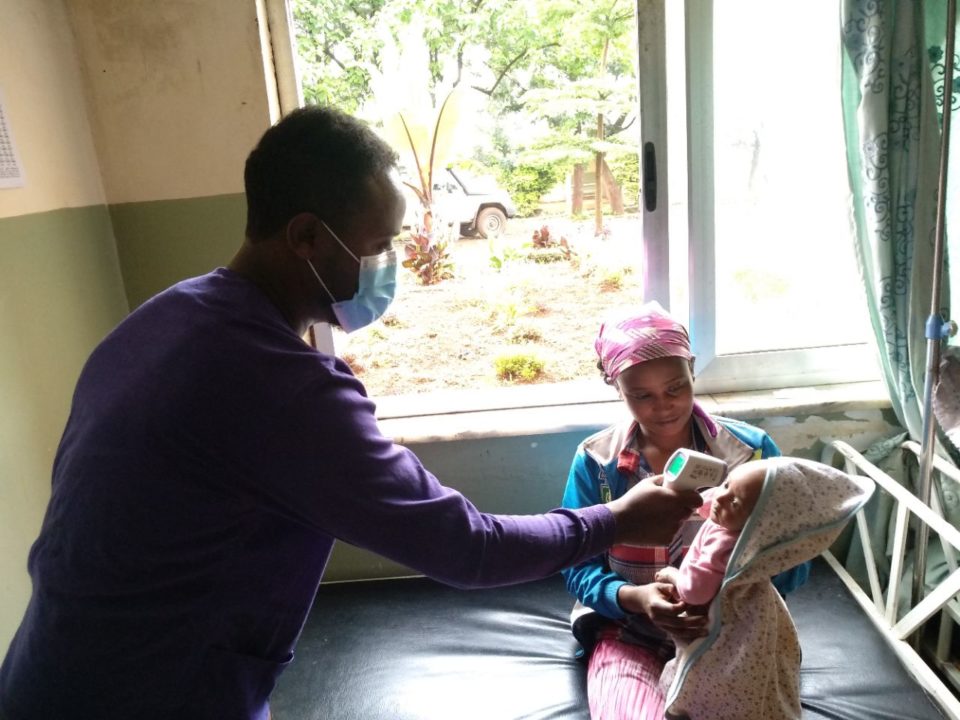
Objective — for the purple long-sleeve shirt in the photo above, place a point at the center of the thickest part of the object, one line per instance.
(210, 460)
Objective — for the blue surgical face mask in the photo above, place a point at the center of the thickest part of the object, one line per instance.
(375, 290)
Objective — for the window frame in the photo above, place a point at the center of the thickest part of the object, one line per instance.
(715, 374)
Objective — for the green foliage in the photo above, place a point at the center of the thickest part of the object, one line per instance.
(429, 261)
(612, 280)
(339, 46)
(527, 183)
(501, 253)
(505, 314)
(626, 171)
(513, 305)
(518, 368)
(544, 256)
(541, 70)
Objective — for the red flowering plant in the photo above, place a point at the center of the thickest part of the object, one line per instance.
(429, 261)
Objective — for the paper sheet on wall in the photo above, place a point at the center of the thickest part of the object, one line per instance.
(11, 171)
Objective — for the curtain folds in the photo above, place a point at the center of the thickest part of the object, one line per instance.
(893, 90)
(893, 148)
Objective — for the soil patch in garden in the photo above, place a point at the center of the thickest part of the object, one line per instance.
(448, 336)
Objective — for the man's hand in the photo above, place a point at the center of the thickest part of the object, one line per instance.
(650, 514)
(656, 601)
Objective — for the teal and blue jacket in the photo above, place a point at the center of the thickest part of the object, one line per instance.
(594, 476)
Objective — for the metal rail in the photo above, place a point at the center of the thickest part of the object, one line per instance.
(882, 605)
(936, 329)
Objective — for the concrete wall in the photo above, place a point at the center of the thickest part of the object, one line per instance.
(179, 96)
(132, 120)
(60, 284)
(526, 473)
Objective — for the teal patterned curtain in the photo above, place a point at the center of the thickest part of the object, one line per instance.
(936, 23)
(893, 94)
(890, 113)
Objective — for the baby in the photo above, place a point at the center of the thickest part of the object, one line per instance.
(768, 515)
(698, 579)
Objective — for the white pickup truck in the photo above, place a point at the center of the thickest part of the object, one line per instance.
(476, 204)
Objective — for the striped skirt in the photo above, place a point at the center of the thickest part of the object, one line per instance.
(623, 680)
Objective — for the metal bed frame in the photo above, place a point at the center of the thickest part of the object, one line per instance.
(882, 605)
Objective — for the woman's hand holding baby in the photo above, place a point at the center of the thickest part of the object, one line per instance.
(657, 601)
(650, 514)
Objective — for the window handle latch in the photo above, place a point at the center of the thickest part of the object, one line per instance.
(649, 177)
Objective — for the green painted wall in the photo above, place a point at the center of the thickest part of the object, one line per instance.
(160, 243)
(60, 293)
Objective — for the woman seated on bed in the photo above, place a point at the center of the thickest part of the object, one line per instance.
(623, 618)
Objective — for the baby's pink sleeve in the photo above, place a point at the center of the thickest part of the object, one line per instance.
(703, 567)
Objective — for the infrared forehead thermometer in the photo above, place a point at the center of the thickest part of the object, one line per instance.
(692, 470)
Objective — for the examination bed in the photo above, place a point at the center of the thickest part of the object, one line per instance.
(413, 649)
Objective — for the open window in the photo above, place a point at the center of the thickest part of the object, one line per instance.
(727, 196)
(759, 250)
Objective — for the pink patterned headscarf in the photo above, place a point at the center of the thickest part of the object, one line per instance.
(647, 334)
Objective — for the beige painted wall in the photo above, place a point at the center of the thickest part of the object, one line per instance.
(111, 103)
(177, 91)
(46, 109)
(60, 285)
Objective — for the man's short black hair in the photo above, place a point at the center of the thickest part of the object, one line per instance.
(316, 159)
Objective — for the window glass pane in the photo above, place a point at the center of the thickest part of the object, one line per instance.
(536, 76)
(786, 275)
(513, 305)
(677, 154)
(450, 336)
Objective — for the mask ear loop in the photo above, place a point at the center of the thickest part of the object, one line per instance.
(319, 280)
(342, 243)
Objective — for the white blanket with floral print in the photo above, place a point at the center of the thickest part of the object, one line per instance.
(748, 665)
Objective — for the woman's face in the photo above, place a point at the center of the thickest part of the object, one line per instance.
(659, 394)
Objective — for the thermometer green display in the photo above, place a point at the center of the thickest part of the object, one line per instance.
(692, 470)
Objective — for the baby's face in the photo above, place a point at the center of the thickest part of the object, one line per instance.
(736, 497)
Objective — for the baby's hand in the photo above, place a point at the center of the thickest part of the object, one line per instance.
(658, 602)
(667, 575)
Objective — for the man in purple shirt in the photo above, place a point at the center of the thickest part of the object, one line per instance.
(212, 457)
